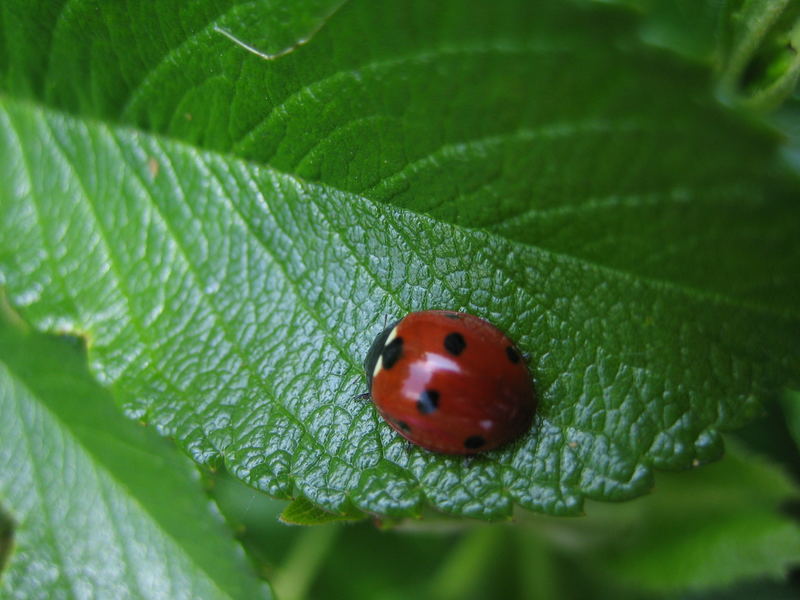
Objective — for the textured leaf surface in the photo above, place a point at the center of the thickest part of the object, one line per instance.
(100, 507)
(587, 196)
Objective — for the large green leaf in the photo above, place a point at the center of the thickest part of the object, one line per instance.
(100, 507)
(534, 164)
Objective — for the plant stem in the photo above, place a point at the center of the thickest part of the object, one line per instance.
(756, 21)
(536, 566)
(299, 570)
(466, 564)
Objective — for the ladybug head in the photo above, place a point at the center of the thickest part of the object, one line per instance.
(375, 352)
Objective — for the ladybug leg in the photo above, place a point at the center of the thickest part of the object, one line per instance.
(386, 318)
(408, 446)
(364, 396)
(526, 356)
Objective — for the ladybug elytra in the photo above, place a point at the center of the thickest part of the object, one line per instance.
(450, 382)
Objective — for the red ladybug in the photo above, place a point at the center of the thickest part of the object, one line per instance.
(450, 382)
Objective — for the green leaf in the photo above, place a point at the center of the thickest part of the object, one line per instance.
(6, 538)
(763, 590)
(788, 119)
(697, 29)
(705, 529)
(303, 512)
(588, 196)
(763, 65)
(99, 506)
(711, 528)
(708, 531)
(790, 402)
(752, 44)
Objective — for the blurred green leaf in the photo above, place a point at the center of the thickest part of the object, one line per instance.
(696, 29)
(788, 120)
(99, 506)
(6, 538)
(587, 195)
(770, 437)
(756, 590)
(704, 529)
(391, 564)
(763, 64)
(303, 512)
(753, 45)
(617, 551)
(790, 402)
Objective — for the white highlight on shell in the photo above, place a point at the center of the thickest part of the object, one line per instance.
(379, 362)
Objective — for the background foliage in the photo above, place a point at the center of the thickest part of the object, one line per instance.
(222, 201)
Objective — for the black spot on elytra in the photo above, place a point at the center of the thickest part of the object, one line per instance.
(474, 442)
(454, 343)
(392, 352)
(428, 402)
(513, 355)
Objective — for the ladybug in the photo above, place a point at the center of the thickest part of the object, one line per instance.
(450, 382)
